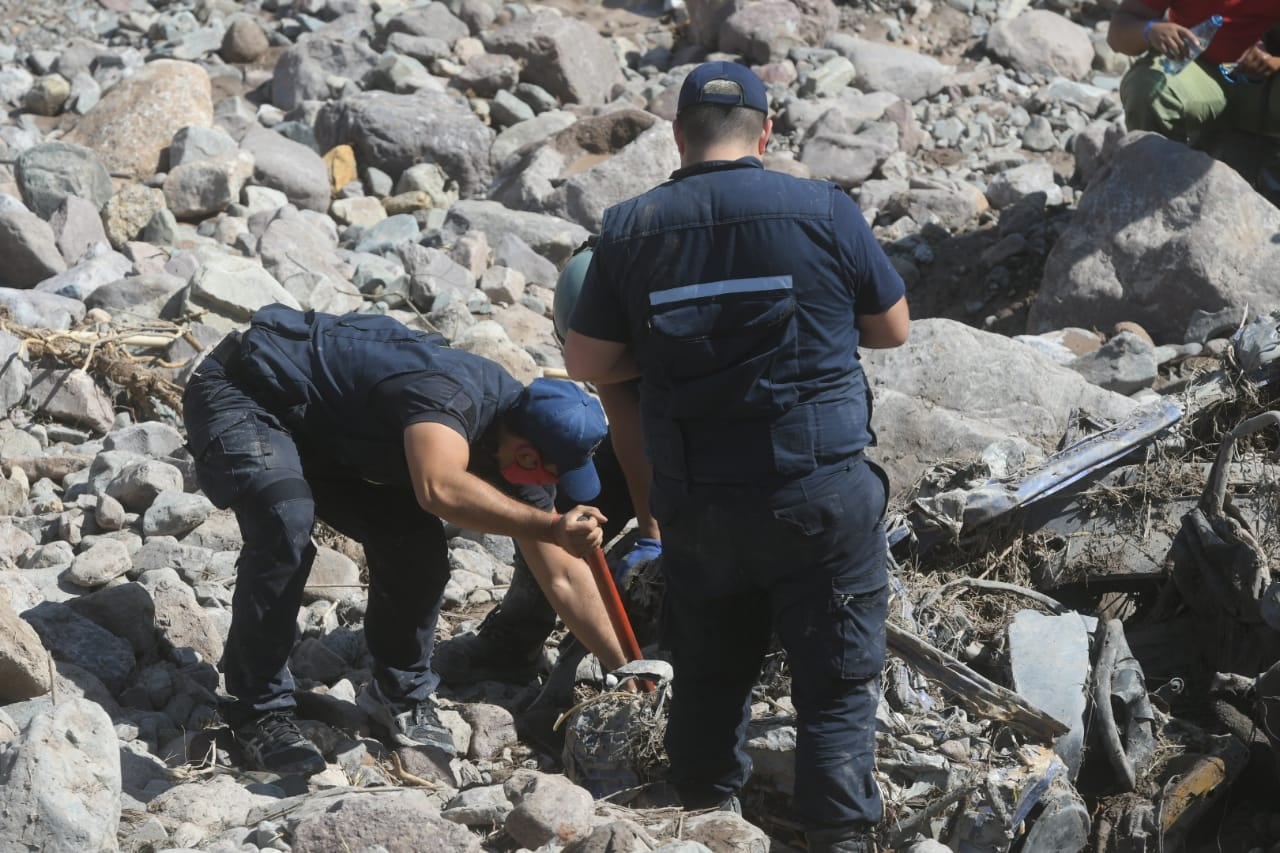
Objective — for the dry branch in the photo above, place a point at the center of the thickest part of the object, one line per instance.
(973, 689)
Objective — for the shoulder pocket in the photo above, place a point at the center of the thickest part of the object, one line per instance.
(726, 348)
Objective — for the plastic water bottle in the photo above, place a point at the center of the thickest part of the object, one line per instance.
(1204, 33)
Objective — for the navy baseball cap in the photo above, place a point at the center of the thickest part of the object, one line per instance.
(726, 83)
(566, 425)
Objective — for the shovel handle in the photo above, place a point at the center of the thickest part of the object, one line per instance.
(613, 605)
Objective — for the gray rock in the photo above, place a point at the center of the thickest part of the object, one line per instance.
(483, 806)
(76, 226)
(431, 19)
(109, 514)
(303, 72)
(142, 296)
(15, 376)
(881, 67)
(130, 211)
(1126, 363)
(99, 564)
(236, 287)
(489, 74)
(550, 236)
(24, 664)
(493, 730)
(42, 310)
(1013, 185)
(828, 79)
(489, 340)
(62, 782)
(96, 267)
(846, 149)
(73, 638)
(334, 577)
(218, 801)
(181, 621)
(952, 390)
(175, 513)
(523, 133)
(137, 117)
(547, 808)
(201, 188)
(71, 396)
(616, 836)
(244, 41)
(29, 248)
(765, 31)
(1131, 251)
(405, 820)
(149, 438)
(389, 235)
(431, 273)
(193, 144)
(725, 831)
(515, 254)
(140, 483)
(52, 171)
(299, 250)
(48, 95)
(565, 56)
(393, 132)
(288, 166)
(1043, 42)
(503, 286)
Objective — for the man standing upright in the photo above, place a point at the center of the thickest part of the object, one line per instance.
(740, 297)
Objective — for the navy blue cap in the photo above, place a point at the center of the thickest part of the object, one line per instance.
(710, 83)
(566, 425)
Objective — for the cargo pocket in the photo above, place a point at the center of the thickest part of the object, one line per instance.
(726, 347)
(861, 619)
(228, 461)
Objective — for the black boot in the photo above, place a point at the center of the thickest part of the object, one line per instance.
(508, 645)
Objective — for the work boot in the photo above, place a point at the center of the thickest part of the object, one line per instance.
(272, 742)
(508, 645)
(858, 839)
(413, 724)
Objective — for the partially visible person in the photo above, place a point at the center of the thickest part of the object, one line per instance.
(508, 644)
(1229, 85)
(382, 432)
(739, 297)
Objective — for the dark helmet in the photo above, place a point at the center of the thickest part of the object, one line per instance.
(568, 287)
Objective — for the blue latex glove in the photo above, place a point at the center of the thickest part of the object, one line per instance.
(643, 551)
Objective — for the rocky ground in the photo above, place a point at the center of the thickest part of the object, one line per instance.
(169, 167)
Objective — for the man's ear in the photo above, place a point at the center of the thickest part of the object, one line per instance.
(678, 132)
(527, 456)
(765, 133)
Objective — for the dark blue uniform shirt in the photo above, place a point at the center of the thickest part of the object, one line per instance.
(739, 289)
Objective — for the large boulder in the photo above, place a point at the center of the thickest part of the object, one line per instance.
(880, 67)
(303, 72)
(1155, 250)
(952, 390)
(49, 173)
(129, 129)
(767, 31)
(565, 56)
(393, 132)
(1043, 42)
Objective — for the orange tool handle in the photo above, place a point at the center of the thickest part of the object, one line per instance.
(613, 605)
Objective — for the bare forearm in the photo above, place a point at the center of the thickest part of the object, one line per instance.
(1126, 34)
(571, 589)
(473, 504)
(622, 404)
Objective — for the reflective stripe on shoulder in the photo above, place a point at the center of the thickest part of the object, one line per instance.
(720, 288)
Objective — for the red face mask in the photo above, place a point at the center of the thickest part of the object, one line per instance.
(518, 475)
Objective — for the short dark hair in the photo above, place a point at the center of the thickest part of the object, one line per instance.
(708, 124)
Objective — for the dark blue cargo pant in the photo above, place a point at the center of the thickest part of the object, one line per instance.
(277, 487)
(809, 562)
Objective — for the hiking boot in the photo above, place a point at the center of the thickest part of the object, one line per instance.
(272, 742)
(413, 724)
(842, 840)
